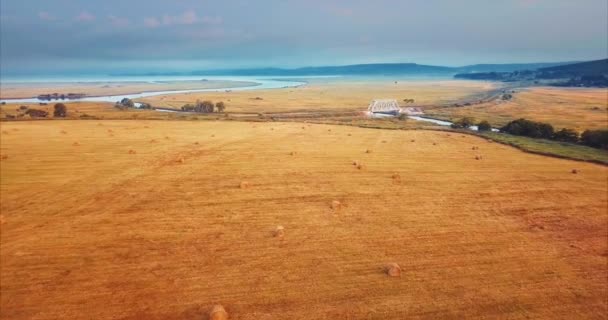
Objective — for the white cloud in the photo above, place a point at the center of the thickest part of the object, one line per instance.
(85, 17)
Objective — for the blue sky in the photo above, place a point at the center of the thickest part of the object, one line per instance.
(76, 35)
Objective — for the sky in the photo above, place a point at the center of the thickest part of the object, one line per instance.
(38, 36)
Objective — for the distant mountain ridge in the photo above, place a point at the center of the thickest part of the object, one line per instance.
(583, 74)
(372, 69)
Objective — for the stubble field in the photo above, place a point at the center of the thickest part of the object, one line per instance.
(147, 219)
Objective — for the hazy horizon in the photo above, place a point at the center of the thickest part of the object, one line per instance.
(75, 36)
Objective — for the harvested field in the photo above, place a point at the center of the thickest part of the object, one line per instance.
(95, 232)
(576, 108)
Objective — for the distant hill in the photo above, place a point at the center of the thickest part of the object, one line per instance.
(373, 69)
(583, 74)
(509, 67)
(590, 68)
(358, 69)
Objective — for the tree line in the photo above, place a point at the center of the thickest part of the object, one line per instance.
(540, 130)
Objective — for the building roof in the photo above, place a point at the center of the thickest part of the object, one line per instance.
(383, 105)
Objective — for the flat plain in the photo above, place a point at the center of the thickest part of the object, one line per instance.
(162, 219)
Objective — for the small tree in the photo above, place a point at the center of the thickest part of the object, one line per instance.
(188, 107)
(207, 106)
(595, 138)
(60, 110)
(566, 135)
(484, 126)
(220, 106)
(463, 123)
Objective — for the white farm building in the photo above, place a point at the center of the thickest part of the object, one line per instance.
(385, 106)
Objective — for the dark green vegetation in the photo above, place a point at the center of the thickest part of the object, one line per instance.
(585, 74)
(60, 110)
(463, 123)
(534, 129)
(550, 147)
(204, 107)
(484, 126)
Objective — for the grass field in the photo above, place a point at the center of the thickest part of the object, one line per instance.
(332, 95)
(575, 108)
(147, 220)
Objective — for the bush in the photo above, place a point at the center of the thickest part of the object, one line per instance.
(220, 106)
(188, 107)
(566, 135)
(484, 126)
(35, 113)
(60, 110)
(595, 138)
(463, 123)
(523, 127)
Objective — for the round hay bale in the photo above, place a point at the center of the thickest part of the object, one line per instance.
(393, 270)
(360, 166)
(244, 185)
(477, 158)
(131, 151)
(293, 153)
(396, 178)
(218, 313)
(355, 163)
(64, 132)
(196, 143)
(4, 157)
(383, 141)
(368, 151)
(279, 232)
(110, 130)
(336, 205)
(574, 171)
(434, 143)
(76, 144)
(413, 140)
(349, 134)
(181, 160)
(212, 136)
(153, 141)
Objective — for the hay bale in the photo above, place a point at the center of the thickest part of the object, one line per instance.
(153, 141)
(355, 163)
(396, 178)
(218, 313)
(383, 141)
(4, 157)
(279, 232)
(574, 171)
(336, 205)
(131, 151)
(196, 143)
(110, 131)
(477, 157)
(244, 185)
(181, 160)
(393, 270)
(64, 132)
(349, 134)
(76, 144)
(413, 140)
(293, 153)
(360, 166)
(434, 143)
(368, 151)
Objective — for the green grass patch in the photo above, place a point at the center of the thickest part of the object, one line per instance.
(551, 148)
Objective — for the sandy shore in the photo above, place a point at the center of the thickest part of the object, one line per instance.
(31, 90)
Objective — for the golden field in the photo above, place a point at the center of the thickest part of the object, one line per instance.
(147, 220)
(332, 95)
(576, 108)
